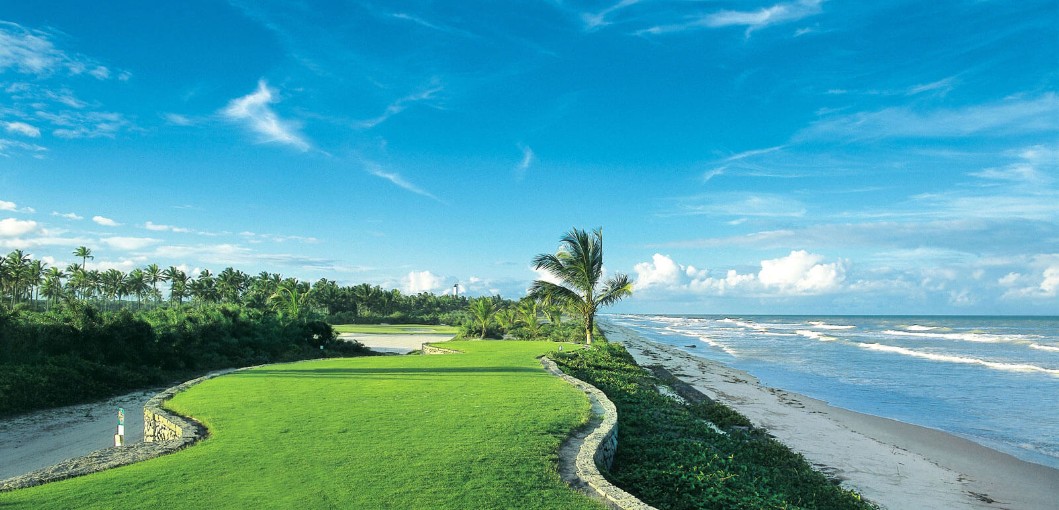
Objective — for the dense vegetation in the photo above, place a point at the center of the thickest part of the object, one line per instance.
(73, 334)
(474, 430)
(75, 352)
(700, 455)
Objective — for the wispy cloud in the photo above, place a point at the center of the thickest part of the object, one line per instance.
(431, 25)
(596, 20)
(28, 51)
(528, 157)
(177, 119)
(1006, 117)
(399, 181)
(400, 105)
(762, 205)
(254, 112)
(753, 20)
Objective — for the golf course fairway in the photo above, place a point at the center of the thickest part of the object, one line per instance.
(480, 429)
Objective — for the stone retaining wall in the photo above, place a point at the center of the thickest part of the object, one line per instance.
(430, 349)
(164, 432)
(595, 447)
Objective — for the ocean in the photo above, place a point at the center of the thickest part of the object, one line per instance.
(993, 380)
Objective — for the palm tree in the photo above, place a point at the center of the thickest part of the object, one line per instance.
(85, 254)
(483, 310)
(52, 288)
(136, 283)
(178, 283)
(153, 274)
(528, 314)
(578, 265)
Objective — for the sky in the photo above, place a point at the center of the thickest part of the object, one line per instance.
(773, 157)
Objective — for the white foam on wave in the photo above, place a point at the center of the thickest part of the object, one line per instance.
(713, 343)
(996, 365)
(824, 325)
(744, 324)
(981, 338)
(917, 327)
(815, 335)
(1044, 347)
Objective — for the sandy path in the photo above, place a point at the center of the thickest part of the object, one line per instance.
(894, 464)
(395, 343)
(40, 439)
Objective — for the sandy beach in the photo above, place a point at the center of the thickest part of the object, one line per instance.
(40, 439)
(897, 465)
(394, 343)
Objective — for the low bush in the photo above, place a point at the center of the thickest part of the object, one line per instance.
(670, 455)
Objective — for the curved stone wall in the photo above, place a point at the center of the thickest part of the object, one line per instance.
(164, 432)
(596, 447)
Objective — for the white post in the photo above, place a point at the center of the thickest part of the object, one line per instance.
(119, 438)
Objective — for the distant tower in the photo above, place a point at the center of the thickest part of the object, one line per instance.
(455, 290)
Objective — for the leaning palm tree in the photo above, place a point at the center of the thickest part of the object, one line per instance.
(578, 266)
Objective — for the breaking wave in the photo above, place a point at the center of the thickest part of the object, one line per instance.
(1007, 367)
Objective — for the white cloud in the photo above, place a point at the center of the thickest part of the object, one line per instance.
(594, 21)
(664, 273)
(1009, 116)
(106, 222)
(177, 119)
(752, 20)
(10, 227)
(164, 228)
(399, 181)
(253, 111)
(1050, 284)
(7, 206)
(400, 105)
(129, 243)
(23, 129)
(762, 205)
(527, 159)
(423, 281)
(802, 273)
(69, 215)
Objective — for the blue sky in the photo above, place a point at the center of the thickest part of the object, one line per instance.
(801, 156)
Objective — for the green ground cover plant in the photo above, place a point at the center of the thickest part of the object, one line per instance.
(480, 429)
(671, 457)
(396, 329)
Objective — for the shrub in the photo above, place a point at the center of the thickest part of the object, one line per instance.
(670, 456)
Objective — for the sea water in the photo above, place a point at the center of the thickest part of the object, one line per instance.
(993, 380)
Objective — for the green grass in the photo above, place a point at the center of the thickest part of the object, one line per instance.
(474, 430)
(396, 329)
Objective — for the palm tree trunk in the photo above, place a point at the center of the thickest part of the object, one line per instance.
(589, 326)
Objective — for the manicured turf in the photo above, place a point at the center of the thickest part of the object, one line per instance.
(474, 430)
(398, 329)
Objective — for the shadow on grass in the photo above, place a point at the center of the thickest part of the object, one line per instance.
(352, 371)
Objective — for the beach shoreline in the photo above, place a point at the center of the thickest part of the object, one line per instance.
(894, 464)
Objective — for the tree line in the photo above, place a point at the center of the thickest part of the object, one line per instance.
(30, 283)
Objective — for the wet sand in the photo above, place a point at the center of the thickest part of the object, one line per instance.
(895, 464)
